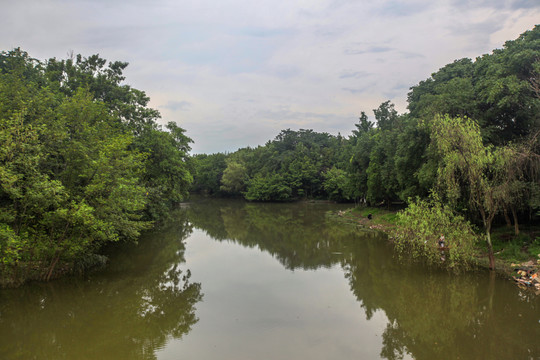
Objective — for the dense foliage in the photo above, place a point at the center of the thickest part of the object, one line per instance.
(396, 157)
(83, 162)
(295, 165)
(421, 226)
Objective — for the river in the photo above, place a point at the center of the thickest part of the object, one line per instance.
(235, 280)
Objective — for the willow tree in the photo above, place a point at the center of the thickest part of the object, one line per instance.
(470, 172)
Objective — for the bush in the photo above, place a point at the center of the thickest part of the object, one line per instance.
(420, 226)
(534, 248)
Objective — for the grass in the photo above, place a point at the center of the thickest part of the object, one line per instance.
(534, 247)
(381, 219)
(379, 215)
(516, 248)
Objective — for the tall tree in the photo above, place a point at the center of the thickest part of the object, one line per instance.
(470, 170)
(81, 158)
(381, 180)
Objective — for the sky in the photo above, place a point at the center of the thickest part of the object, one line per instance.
(234, 73)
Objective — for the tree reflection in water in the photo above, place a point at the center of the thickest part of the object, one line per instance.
(431, 314)
(143, 300)
(145, 297)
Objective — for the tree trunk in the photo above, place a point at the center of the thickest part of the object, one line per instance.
(507, 218)
(53, 265)
(490, 250)
(516, 224)
(487, 225)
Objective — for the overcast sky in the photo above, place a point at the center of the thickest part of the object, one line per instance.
(234, 73)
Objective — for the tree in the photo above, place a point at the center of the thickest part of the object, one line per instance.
(269, 188)
(521, 176)
(362, 142)
(497, 90)
(411, 155)
(381, 179)
(448, 91)
(386, 116)
(81, 158)
(129, 105)
(420, 227)
(363, 126)
(303, 172)
(508, 106)
(208, 172)
(234, 178)
(469, 169)
(336, 184)
(167, 175)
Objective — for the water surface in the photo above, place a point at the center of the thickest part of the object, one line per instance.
(230, 280)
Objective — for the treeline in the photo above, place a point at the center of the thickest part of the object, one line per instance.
(470, 138)
(394, 158)
(297, 164)
(83, 162)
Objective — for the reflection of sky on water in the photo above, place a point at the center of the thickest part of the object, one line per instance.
(254, 307)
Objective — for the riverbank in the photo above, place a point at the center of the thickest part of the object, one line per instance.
(516, 257)
(367, 217)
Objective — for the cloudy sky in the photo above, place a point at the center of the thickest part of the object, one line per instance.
(233, 73)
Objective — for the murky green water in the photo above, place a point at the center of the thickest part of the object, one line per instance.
(230, 280)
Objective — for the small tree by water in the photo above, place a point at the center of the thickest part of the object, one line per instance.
(419, 230)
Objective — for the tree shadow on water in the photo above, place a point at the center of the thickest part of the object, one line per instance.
(129, 311)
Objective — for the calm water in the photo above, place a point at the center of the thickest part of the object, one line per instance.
(230, 280)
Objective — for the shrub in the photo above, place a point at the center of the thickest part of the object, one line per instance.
(420, 226)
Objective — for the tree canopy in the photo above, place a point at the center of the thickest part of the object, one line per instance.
(83, 162)
(394, 157)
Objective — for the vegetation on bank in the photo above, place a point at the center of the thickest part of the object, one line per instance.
(416, 242)
(83, 163)
(367, 217)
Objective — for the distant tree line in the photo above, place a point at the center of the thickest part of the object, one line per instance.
(394, 158)
(471, 136)
(83, 162)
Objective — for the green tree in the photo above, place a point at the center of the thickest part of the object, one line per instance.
(208, 172)
(363, 126)
(167, 174)
(234, 178)
(469, 169)
(496, 89)
(268, 188)
(105, 82)
(336, 184)
(75, 173)
(386, 116)
(362, 142)
(411, 155)
(448, 91)
(420, 227)
(382, 183)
